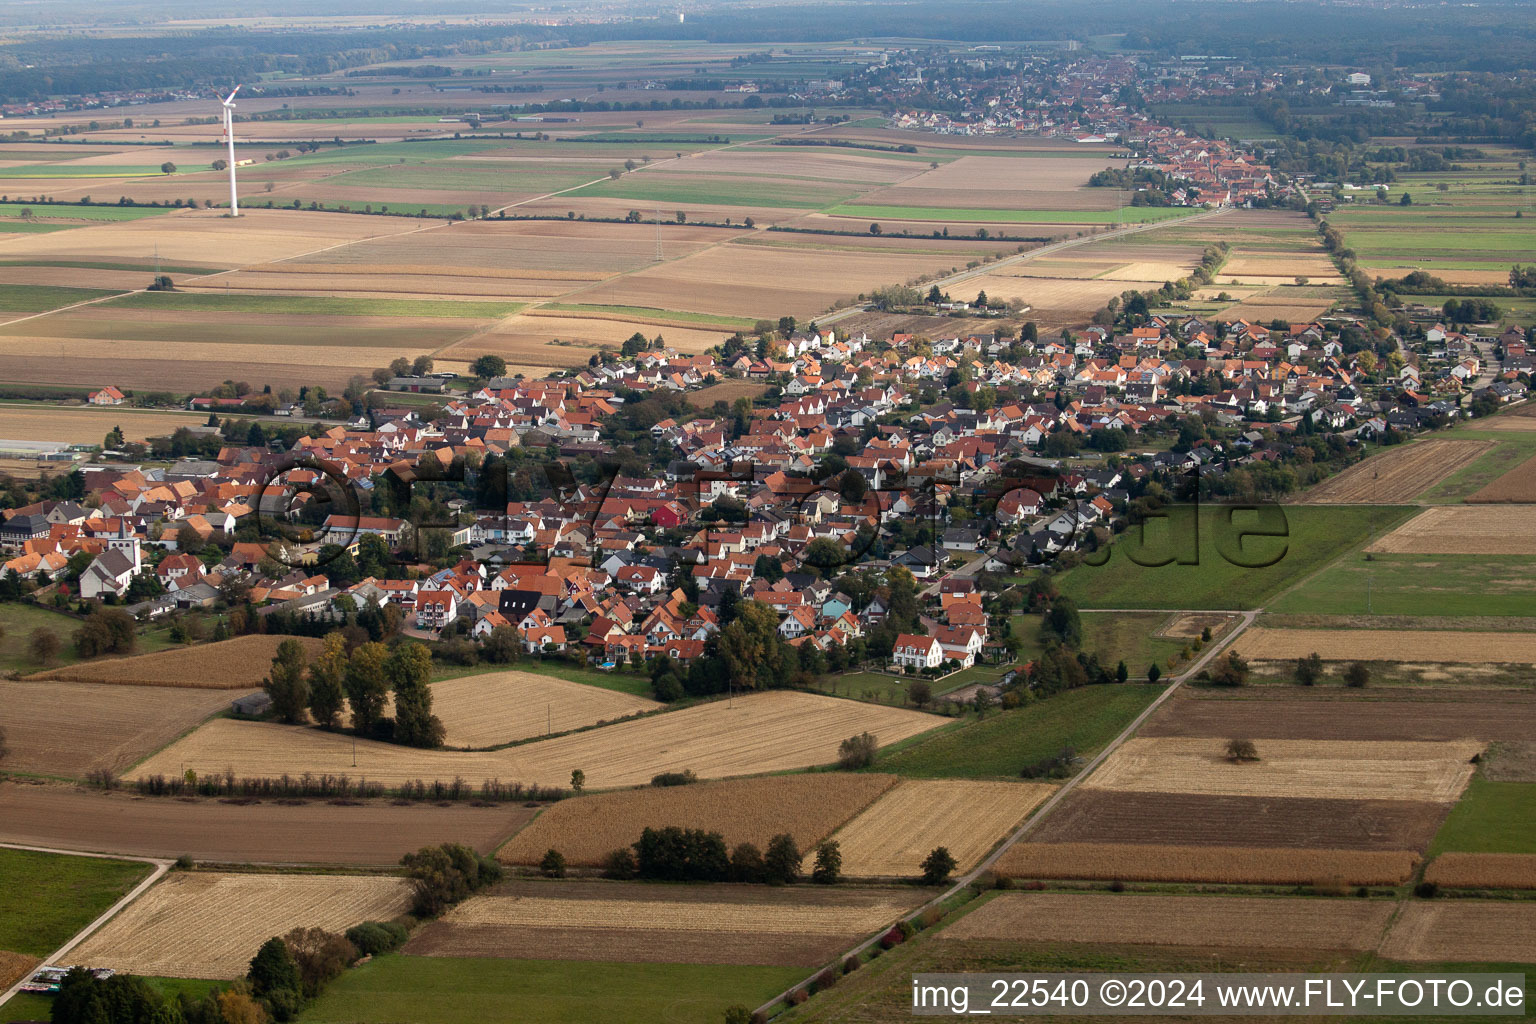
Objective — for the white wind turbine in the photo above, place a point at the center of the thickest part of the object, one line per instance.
(229, 134)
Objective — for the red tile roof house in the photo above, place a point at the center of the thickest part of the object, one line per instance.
(108, 395)
(436, 608)
(912, 651)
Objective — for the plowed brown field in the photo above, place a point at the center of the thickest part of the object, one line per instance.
(1465, 930)
(208, 925)
(1177, 921)
(808, 807)
(1397, 475)
(238, 664)
(1230, 865)
(1338, 714)
(1514, 487)
(1465, 530)
(1181, 819)
(1448, 646)
(718, 924)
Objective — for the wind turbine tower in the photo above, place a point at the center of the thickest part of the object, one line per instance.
(229, 135)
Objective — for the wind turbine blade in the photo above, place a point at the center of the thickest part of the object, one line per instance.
(231, 97)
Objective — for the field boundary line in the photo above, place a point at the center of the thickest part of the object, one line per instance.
(161, 867)
(1039, 813)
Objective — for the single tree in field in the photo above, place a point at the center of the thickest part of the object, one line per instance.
(400, 367)
(1357, 675)
(367, 686)
(578, 781)
(1242, 750)
(285, 683)
(421, 366)
(43, 644)
(781, 865)
(327, 675)
(1309, 669)
(553, 864)
(167, 168)
(409, 671)
(857, 751)
(489, 366)
(1122, 673)
(938, 866)
(1154, 673)
(920, 693)
(829, 863)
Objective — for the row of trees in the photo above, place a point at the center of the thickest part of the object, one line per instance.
(361, 680)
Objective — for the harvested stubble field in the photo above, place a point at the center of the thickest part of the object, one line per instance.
(764, 732)
(1514, 487)
(1464, 530)
(720, 924)
(808, 807)
(1227, 865)
(1520, 421)
(1331, 769)
(1187, 627)
(1096, 816)
(370, 833)
(1157, 920)
(1398, 474)
(14, 967)
(85, 425)
(529, 341)
(502, 707)
(238, 664)
(727, 392)
(1483, 870)
(1449, 646)
(1342, 714)
(1464, 930)
(209, 925)
(894, 834)
(69, 729)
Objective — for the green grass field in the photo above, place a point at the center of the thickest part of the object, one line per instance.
(1313, 536)
(1001, 744)
(476, 175)
(1490, 817)
(18, 621)
(48, 897)
(1113, 636)
(1415, 584)
(654, 188)
(50, 211)
(85, 171)
(622, 682)
(214, 302)
(1128, 215)
(452, 990)
(1511, 447)
(36, 298)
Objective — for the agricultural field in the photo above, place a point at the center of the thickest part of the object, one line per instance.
(48, 897)
(1333, 712)
(721, 924)
(1449, 646)
(1332, 769)
(1463, 530)
(69, 729)
(1139, 639)
(1464, 930)
(1242, 922)
(892, 836)
(17, 623)
(763, 732)
(1313, 536)
(1002, 744)
(489, 709)
(1491, 817)
(1483, 871)
(1398, 474)
(451, 990)
(209, 925)
(238, 664)
(1110, 819)
(1227, 865)
(88, 425)
(808, 807)
(1422, 584)
(1516, 486)
(367, 833)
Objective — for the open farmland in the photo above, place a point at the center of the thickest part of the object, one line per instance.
(1450, 646)
(808, 807)
(1230, 865)
(69, 729)
(1483, 870)
(14, 967)
(1516, 486)
(88, 425)
(722, 924)
(1344, 714)
(48, 897)
(1335, 769)
(209, 925)
(1464, 530)
(238, 664)
(1097, 816)
(543, 342)
(501, 707)
(373, 833)
(1464, 930)
(1398, 474)
(763, 732)
(894, 834)
(1245, 922)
